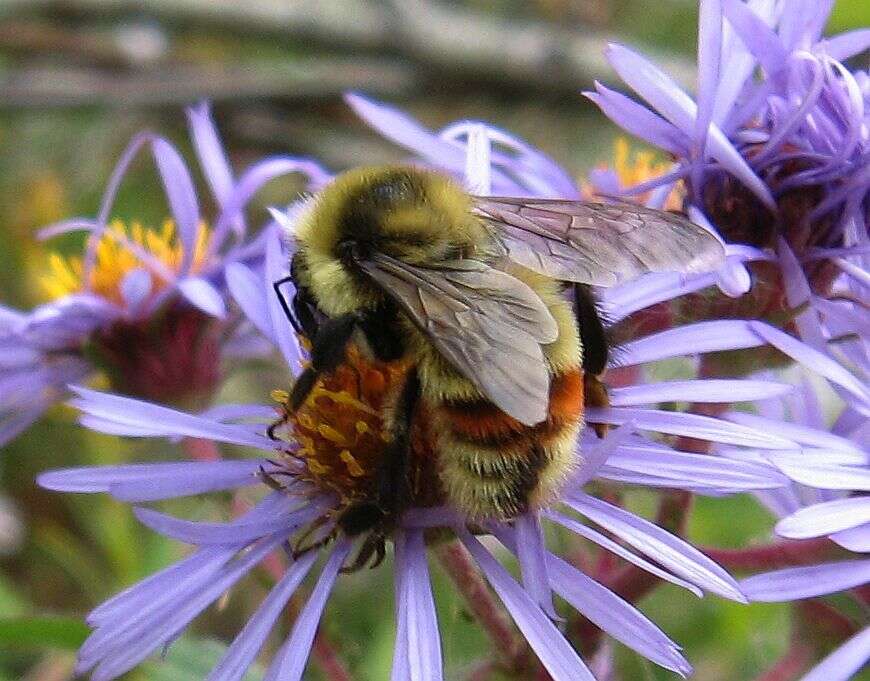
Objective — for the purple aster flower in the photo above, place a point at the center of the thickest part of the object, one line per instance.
(827, 497)
(326, 451)
(774, 147)
(146, 306)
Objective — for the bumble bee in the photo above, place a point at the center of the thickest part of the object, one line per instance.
(488, 301)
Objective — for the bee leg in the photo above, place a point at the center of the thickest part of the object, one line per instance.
(327, 352)
(374, 545)
(596, 351)
(391, 487)
(300, 547)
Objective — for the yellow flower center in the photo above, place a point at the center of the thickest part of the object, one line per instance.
(636, 166)
(115, 260)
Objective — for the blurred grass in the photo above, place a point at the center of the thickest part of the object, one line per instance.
(78, 550)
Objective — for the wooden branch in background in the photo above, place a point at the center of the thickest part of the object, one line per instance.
(426, 42)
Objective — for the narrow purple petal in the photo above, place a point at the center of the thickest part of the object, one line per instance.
(845, 662)
(136, 286)
(290, 661)
(249, 293)
(594, 456)
(149, 482)
(253, 179)
(619, 550)
(200, 566)
(847, 44)
(823, 475)
(855, 539)
(697, 391)
(615, 616)
(397, 126)
(291, 514)
(138, 641)
(171, 423)
(676, 106)
(203, 295)
(210, 151)
(554, 652)
(825, 518)
(806, 582)
(665, 548)
(689, 340)
(821, 363)
(532, 556)
(277, 268)
(638, 120)
(243, 651)
(689, 425)
(166, 583)
(798, 293)
(709, 56)
(607, 610)
(797, 433)
(415, 613)
(757, 36)
(181, 195)
(684, 469)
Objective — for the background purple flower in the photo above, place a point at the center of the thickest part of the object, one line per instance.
(773, 148)
(146, 306)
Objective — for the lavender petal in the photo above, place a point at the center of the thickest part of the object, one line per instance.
(554, 652)
(689, 340)
(416, 613)
(290, 515)
(710, 390)
(203, 295)
(243, 650)
(532, 557)
(150, 482)
(247, 290)
(619, 550)
(825, 518)
(806, 582)
(689, 425)
(181, 195)
(665, 548)
(171, 423)
(290, 661)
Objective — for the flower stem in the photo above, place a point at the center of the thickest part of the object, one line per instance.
(781, 554)
(790, 665)
(474, 589)
(199, 449)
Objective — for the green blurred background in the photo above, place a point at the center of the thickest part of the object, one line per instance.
(79, 77)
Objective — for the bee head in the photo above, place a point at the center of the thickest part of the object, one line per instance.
(418, 216)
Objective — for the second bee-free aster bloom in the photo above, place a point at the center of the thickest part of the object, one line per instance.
(145, 306)
(773, 149)
(328, 454)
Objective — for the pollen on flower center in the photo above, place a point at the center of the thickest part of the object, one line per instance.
(341, 434)
(115, 259)
(633, 167)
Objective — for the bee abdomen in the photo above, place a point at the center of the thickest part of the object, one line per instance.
(492, 466)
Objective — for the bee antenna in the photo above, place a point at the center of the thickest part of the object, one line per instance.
(284, 304)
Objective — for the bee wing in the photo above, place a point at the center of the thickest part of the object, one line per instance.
(601, 244)
(486, 323)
